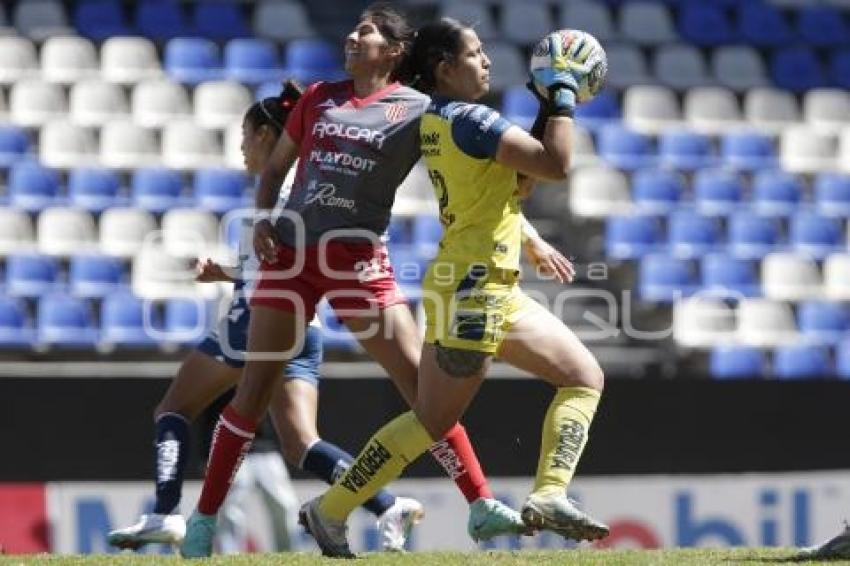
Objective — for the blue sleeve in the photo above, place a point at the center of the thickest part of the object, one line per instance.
(477, 129)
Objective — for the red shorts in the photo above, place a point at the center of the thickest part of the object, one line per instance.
(355, 278)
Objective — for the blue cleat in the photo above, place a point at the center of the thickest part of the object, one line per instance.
(200, 530)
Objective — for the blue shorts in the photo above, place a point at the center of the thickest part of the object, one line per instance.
(234, 327)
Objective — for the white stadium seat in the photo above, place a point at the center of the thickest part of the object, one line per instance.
(597, 192)
(651, 109)
(805, 150)
(156, 274)
(126, 145)
(188, 232)
(584, 150)
(34, 102)
(158, 102)
(128, 60)
(712, 110)
(219, 104)
(16, 233)
(233, 157)
(790, 277)
(65, 231)
(68, 59)
(827, 109)
(66, 145)
(123, 230)
(94, 102)
(17, 59)
(770, 109)
(836, 277)
(765, 323)
(702, 322)
(185, 145)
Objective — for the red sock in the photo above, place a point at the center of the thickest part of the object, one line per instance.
(457, 457)
(231, 440)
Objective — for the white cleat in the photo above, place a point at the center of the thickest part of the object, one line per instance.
(837, 547)
(330, 535)
(395, 524)
(150, 529)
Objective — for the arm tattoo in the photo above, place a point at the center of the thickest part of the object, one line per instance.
(460, 363)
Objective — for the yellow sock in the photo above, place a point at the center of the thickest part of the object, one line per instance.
(387, 453)
(565, 430)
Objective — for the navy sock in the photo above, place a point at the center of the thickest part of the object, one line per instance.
(172, 447)
(327, 462)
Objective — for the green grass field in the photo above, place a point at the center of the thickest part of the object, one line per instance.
(751, 556)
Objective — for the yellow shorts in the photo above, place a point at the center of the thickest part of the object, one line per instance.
(473, 307)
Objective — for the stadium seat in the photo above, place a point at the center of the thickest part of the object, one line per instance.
(822, 322)
(14, 145)
(770, 109)
(251, 61)
(68, 59)
(596, 192)
(65, 321)
(827, 110)
(711, 110)
(160, 20)
(128, 60)
(282, 20)
(219, 21)
(815, 235)
(509, 67)
(157, 189)
(192, 60)
(15, 329)
(17, 59)
(739, 67)
(124, 322)
(233, 157)
(685, 150)
(100, 19)
(657, 191)
(842, 359)
(519, 106)
(156, 274)
(763, 25)
(702, 322)
(592, 17)
(123, 230)
(65, 145)
(525, 23)
(832, 194)
(752, 236)
(627, 66)
(624, 148)
(16, 232)
(836, 276)
(159, 102)
(583, 148)
(736, 362)
(691, 235)
(705, 24)
(747, 151)
(646, 23)
(32, 186)
(219, 104)
(717, 191)
(93, 276)
(185, 145)
(34, 103)
(476, 13)
(776, 193)
(427, 233)
(790, 277)
(309, 60)
(805, 150)
(797, 69)
(41, 19)
(839, 68)
(728, 276)
(220, 190)
(125, 145)
(186, 320)
(595, 113)
(663, 279)
(843, 154)
(94, 103)
(801, 361)
(65, 231)
(651, 109)
(93, 189)
(631, 237)
(822, 26)
(31, 275)
(680, 66)
(188, 232)
(765, 323)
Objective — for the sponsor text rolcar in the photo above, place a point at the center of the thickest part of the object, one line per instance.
(324, 129)
(365, 467)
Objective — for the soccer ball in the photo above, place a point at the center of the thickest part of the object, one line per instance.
(582, 50)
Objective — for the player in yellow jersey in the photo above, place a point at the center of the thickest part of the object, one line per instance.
(479, 163)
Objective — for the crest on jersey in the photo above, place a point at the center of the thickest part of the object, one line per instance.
(396, 112)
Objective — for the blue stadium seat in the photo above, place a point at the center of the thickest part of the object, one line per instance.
(821, 26)
(192, 60)
(816, 235)
(161, 20)
(92, 276)
(14, 145)
(156, 189)
(519, 106)
(657, 190)
(64, 320)
(220, 190)
(728, 276)
(797, 69)
(335, 335)
(100, 19)
(748, 151)
(186, 321)
(685, 150)
(309, 60)
(842, 359)
(252, 61)
(763, 25)
(602, 109)
(839, 68)
(93, 189)
(123, 320)
(717, 191)
(31, 275)
(219, 21)
(692, 235)
(832, 194)
(32, 187)
(14, 327)
(663, 279)
(630, 237)
(735, 362)
(752, 236)
(776, 193)
(427, 233)
(822, 322)
(624, 148)
(801, 361)
(705, 24)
